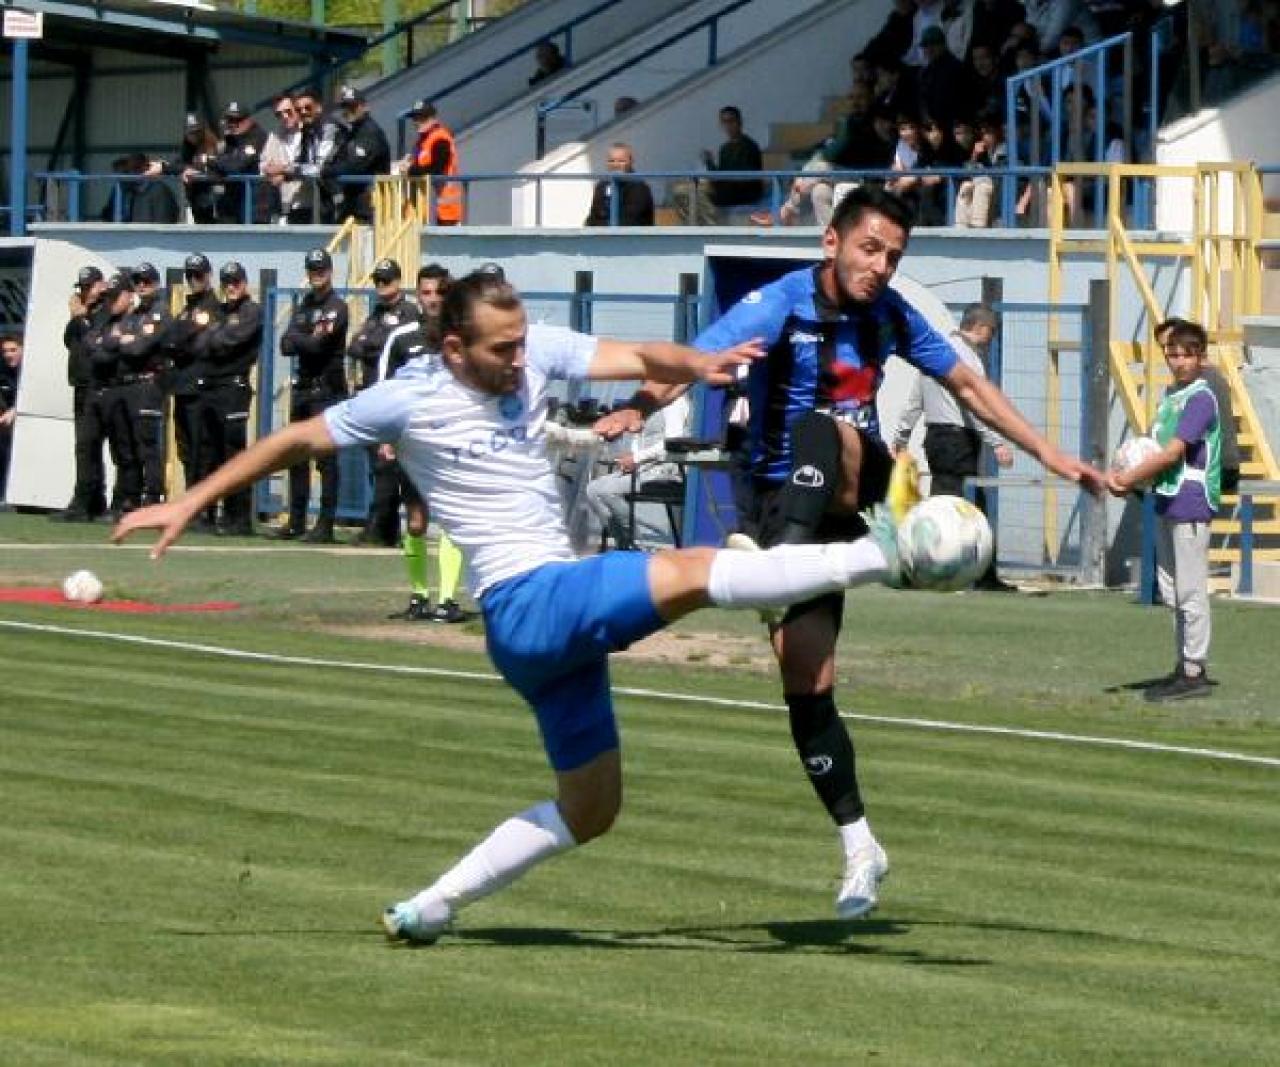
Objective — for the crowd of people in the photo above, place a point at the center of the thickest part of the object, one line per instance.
(316, 165)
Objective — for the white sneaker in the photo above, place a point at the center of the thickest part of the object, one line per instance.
(740, 542)
(863, 873)
(404, 922)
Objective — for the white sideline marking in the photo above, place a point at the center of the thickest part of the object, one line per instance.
(652, 694)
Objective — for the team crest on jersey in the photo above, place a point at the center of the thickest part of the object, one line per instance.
(511, 406)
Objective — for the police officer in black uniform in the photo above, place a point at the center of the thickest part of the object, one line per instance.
(88, 500)
(393, 310)
(361, 148)
(316, 340)
(184, 345)
(224, 391)
(141, 376)
(240, 153)
(108, 418)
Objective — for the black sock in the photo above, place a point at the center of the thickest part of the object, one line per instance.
(815, 446)
(827, 753)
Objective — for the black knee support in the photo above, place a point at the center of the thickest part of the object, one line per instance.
(826, 752)
(815, 471)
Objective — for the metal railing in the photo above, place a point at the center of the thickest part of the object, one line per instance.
(711, 24)
(562, 33)
(1066, 137)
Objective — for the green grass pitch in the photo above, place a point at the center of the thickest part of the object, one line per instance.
(194, 849)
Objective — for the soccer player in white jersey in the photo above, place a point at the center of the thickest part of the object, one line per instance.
(468, 428)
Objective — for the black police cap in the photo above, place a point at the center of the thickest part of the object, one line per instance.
(196, 264)
(421, 109)
(350, 96)
(232, 271)
(87, 276)
(119, 282)
(145, 272)
(318, 259)
(234, 111)
(386, 270)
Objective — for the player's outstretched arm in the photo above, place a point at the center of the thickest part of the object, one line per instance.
(296, 442)
(985, 400)
(670, 363)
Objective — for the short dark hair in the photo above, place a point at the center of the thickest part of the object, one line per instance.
(310, 92)
(977, 315)
(730, 109)
(435, 272)
(1074, 32)
(461, 298)
(1188, 334)
(871, 199)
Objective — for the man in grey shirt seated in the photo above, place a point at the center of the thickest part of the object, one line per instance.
(953, 438)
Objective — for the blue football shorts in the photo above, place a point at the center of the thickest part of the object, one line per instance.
(550, 632)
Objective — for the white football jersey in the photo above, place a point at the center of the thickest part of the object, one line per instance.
(480, 461)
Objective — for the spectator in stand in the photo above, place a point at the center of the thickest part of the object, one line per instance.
(1239, 36)
(240, 156)
(855, 146)
(1049, 18)
(199, 145)
(973, 200)
(435, 154)
(550, 62)
(912, 153)
(985, 79)
(360, 151)
(1021, 36)
(945, 90)
(635, 203)
(278, 153)
(895, 89)
(150, 201)
(929, 15)
(964, 132)
(738, 152)
(993, 22)
(10, 368)
(935, 190)
(315, 144)
(862, 71)
(895, 36)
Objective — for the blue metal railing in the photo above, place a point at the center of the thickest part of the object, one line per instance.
(1067, 137)
(711, 24)
(778, 181)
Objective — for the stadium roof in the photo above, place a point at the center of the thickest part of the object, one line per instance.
(120, 23)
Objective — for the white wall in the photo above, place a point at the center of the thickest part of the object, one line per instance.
(1244, 130)
(671, 131)
(43, 427)
(766, 42)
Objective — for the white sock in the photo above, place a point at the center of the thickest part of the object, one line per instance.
(787, 574)
(518, 844)
(855, 836)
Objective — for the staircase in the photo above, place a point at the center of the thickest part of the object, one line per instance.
(792, 143)
(1225, 253)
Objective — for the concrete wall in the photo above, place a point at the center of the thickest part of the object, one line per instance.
(1243, 130)
(764, 42)
(521, 29)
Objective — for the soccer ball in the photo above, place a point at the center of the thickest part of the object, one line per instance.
(945, 544)
(82, 587)
(1132, 452)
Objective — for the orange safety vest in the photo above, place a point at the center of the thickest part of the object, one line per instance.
(448, 195)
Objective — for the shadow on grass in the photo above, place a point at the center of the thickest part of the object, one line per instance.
(811, 936)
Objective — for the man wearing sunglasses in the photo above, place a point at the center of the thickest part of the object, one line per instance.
(141, 376)
(278, 153)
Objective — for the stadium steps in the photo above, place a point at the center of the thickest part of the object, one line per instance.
(794, 142)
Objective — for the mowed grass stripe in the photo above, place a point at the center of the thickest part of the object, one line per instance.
(697, 933)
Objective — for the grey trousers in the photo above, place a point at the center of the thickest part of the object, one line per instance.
(1182, 570)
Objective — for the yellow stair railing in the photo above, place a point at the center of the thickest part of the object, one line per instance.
(1223, 259)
